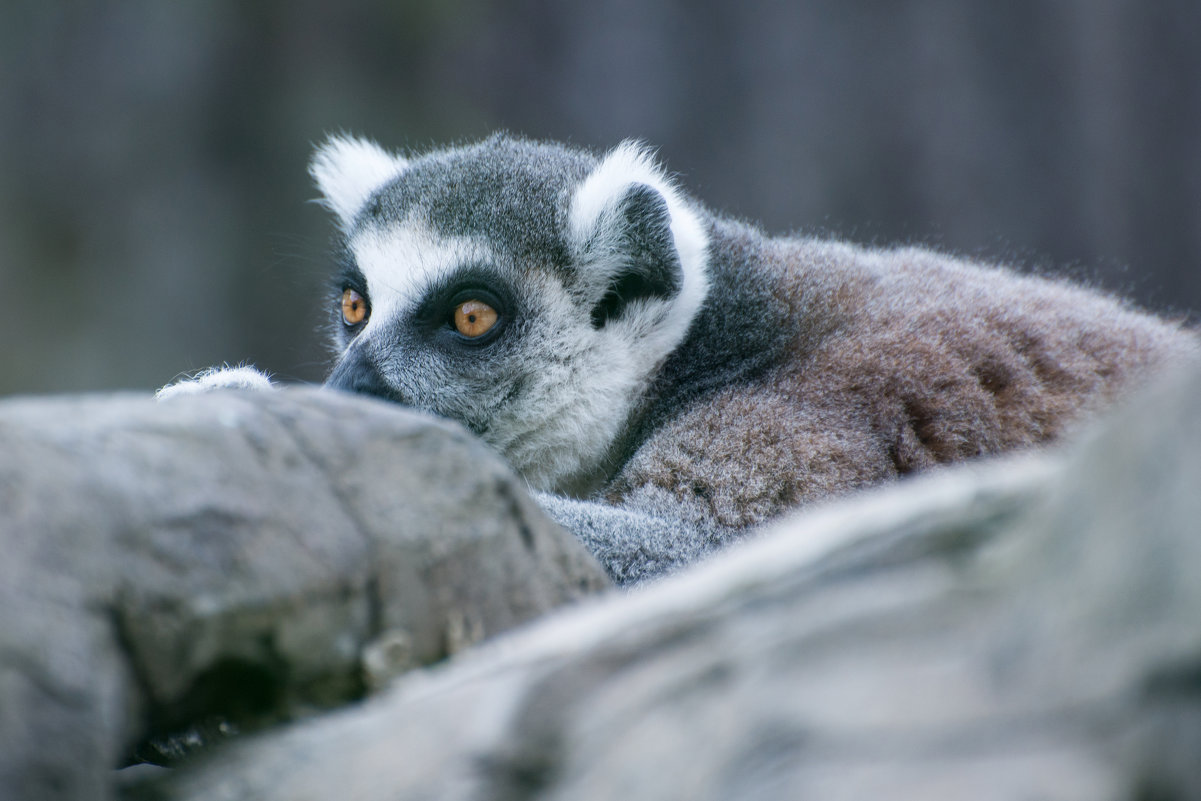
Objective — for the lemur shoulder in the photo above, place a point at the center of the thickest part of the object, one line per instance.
(665, 378)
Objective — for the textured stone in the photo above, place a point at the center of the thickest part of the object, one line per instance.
(241, 559)
(1019, 629)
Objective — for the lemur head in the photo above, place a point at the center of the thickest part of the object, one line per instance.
(527, 290)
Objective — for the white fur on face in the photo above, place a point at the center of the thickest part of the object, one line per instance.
(576, 398)
(401, 261)
(578, 383)
(347, 170)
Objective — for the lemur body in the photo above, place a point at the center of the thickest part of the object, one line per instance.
(666, 378)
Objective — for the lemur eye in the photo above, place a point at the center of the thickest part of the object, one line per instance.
(474, 318)
(354, 307)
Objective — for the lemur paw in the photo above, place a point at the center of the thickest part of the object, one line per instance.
(241, 377)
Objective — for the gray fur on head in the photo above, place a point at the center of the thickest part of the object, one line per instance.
(596, 265)
(669, 378)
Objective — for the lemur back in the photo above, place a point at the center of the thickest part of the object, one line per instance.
(853, 366)
(666, 379)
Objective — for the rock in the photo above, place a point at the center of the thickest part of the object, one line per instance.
(1026, 628)
(237, 559)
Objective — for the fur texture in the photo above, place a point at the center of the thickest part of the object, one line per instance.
(888, 362)
(668, 379)
(240, 377)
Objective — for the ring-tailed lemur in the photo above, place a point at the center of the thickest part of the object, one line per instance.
(665, 378)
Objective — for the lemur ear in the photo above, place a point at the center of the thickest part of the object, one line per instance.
(636, 242)
(347, 170)
(649, 266)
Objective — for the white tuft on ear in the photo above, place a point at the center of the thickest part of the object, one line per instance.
(591, 222)
(348, 169)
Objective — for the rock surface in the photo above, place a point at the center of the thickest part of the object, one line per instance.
(1018, 629)
(241, 559)
(1022, 629)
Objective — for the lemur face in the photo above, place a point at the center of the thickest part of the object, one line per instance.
(525, 290)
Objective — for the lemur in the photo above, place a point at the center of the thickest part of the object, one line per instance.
(666, 379)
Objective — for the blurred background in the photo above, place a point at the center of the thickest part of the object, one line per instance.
(154, 213)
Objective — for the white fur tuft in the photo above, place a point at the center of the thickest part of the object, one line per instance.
(348, 169)
(240, 377)
(592, 216)
(629, 163)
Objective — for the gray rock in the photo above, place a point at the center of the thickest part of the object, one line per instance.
(1022, 629)
(240, 559)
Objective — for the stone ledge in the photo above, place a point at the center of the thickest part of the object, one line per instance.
(1017, 629)
(244, 557)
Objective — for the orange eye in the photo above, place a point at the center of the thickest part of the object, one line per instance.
(354, 307)
(474, 318)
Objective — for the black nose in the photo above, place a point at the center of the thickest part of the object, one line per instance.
(356, 373)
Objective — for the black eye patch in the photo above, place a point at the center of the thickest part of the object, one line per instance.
(347, 275)
(435, 313)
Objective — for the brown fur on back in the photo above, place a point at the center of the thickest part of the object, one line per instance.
(896, 361)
